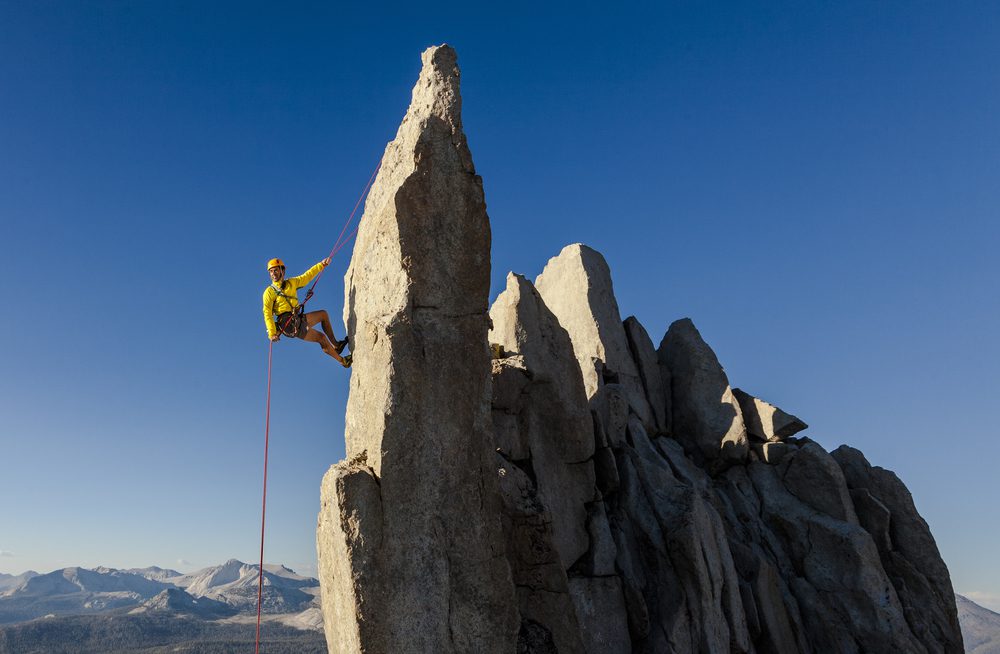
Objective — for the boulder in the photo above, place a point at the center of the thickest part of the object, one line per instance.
(553, 418)
(610, 409)
(522, 323)
(348, 536)
(814, 477)
(543, 596)
(908, 550)
(772, 452)
(510, 378)
(420, 394)
(576, 286)
(648, 366)
(707, 419)
(765, 421)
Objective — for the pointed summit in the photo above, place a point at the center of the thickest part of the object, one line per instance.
(409, 532)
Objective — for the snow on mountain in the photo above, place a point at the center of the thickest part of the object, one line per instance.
(98, 580)
(235, 583)
(287, 573)
(310, 619)
(205, 580)
(980, 627)
(215, 591)
(154, 573)
(8, 583)
(178, 601)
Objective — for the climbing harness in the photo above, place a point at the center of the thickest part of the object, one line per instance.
(290, 323)
(299, 313)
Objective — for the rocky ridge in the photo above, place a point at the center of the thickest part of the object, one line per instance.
(600, 494)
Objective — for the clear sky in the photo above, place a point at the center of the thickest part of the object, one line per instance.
(816, 184)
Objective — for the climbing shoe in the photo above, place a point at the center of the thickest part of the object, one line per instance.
(348, 360)
(340, 345)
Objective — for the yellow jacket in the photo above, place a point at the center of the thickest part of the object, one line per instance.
(275, 304)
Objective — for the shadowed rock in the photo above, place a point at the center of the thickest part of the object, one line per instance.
(550, 485)
(553, 419)
(648, 365)
(907, 548)
(706, 417)
(576, 287)
(765, 421)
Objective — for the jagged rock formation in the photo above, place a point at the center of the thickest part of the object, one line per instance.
(707, 419)
(576, 286)
(635, 502)
(764, 421)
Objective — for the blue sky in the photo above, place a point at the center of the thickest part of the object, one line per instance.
(815, 184)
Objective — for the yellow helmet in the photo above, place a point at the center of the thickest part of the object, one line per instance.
(275, 262)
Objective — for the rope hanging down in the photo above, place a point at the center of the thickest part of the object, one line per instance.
(341, 242)
(263, 509)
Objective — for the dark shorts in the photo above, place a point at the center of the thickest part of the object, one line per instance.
(292, 324)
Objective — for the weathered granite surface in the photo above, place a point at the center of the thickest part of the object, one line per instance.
(427, 569)
(597, 496)
(764, 421)
(576, 286)
(707, 419)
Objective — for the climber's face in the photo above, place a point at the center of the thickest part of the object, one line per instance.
(276, 273)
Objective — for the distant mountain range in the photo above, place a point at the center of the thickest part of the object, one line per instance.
(980, 627)
(211, 593)
(77, 610)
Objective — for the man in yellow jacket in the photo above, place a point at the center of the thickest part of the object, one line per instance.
(283, 315)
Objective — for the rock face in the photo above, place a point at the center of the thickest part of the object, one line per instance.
(599, 496)
(906, 548)
(764, 421)
(707, 419)
(646, 360)
(550, 412)
(576, 286)
(409, 533)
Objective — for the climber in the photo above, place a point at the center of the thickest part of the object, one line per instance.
(281, 305)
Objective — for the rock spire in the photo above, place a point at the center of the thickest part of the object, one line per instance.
(410, 552)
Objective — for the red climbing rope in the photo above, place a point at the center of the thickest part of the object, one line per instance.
(341, 242)
(263, 508)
